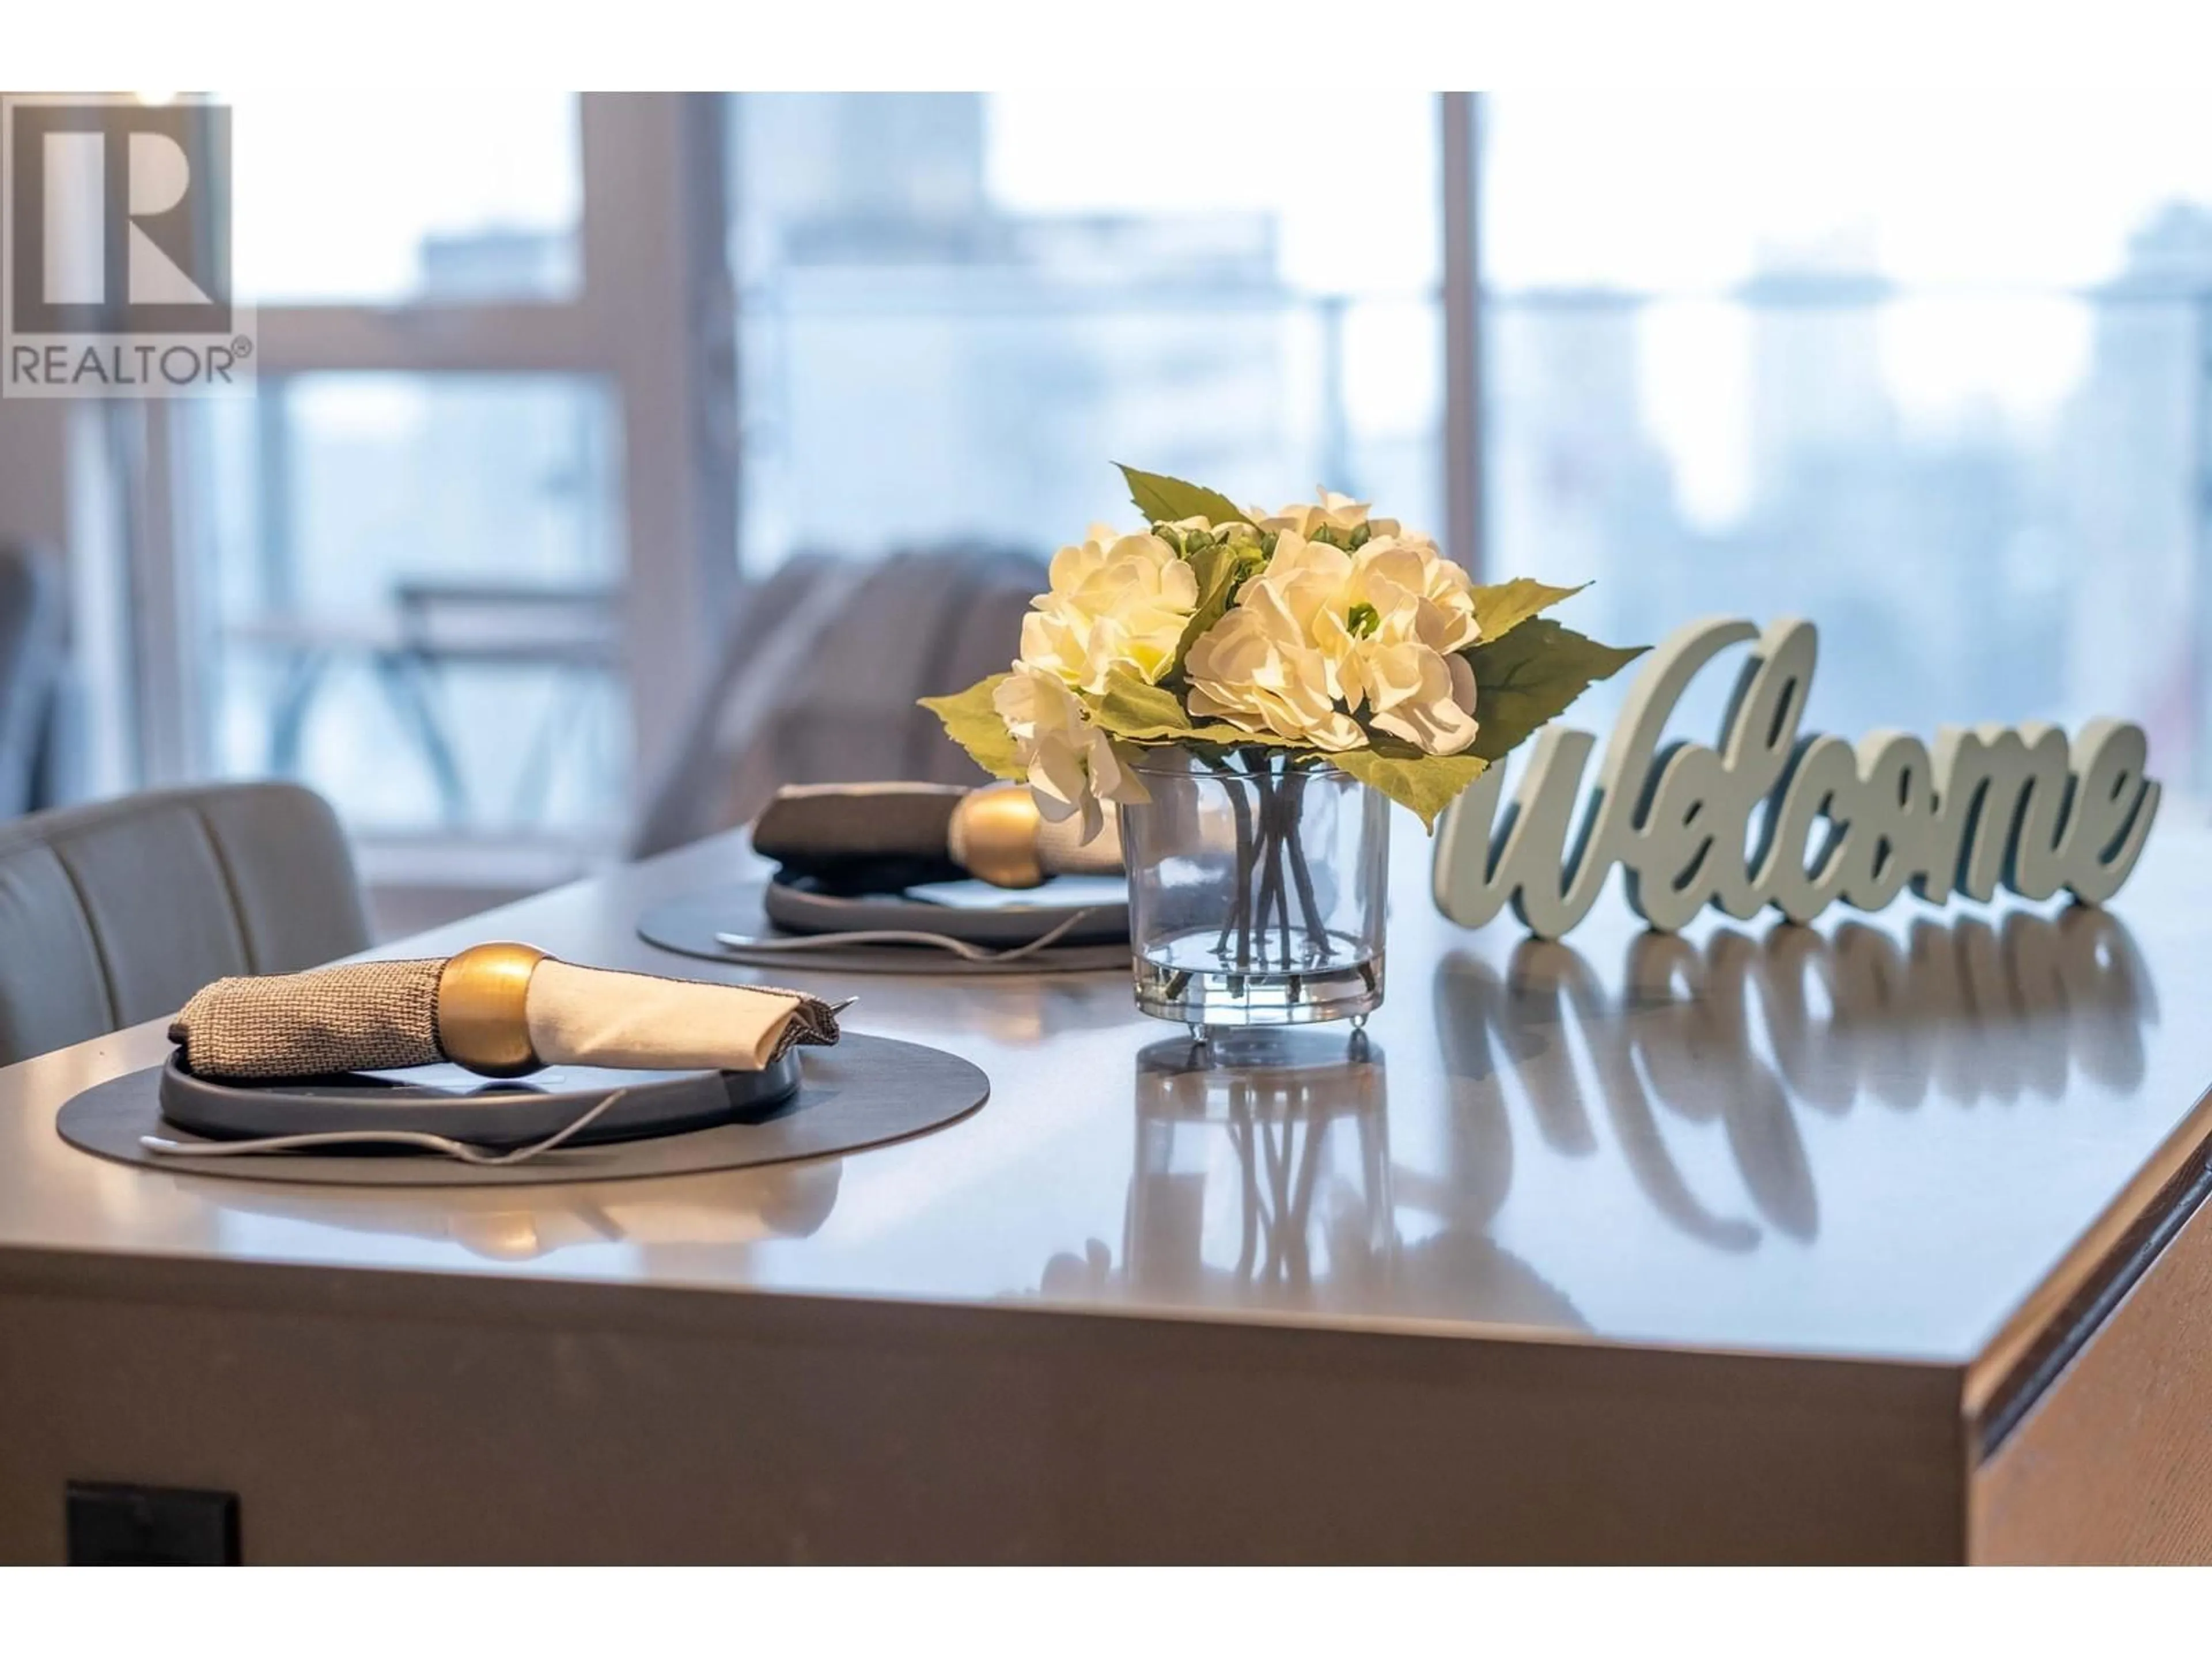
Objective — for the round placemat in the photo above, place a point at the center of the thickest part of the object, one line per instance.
(864, 1091)
(687, 927)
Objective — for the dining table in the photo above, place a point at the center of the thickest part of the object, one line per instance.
(1874, 1239)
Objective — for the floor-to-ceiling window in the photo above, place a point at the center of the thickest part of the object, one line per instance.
(440, 566)
(408, 572)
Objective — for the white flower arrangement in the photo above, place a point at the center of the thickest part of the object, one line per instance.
(1318, 634)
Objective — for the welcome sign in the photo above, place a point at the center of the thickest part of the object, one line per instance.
(1988, 805)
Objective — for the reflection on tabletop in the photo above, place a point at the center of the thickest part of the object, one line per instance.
(660, 1217)
(1263, 1175)
(1969, 1009)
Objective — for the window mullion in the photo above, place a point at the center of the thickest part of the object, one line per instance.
(430, 339)
(656, 281)
(1463, 435)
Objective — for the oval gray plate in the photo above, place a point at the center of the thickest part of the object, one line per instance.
(445, 1100)
(973, 912)
(689, 925)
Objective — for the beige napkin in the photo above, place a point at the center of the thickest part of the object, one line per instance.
(594, 1017)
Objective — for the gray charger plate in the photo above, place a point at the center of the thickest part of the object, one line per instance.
(687, 927)
(863, 1092)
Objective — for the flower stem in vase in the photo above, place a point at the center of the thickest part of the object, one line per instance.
(1239, 919)
(1269, 861)
(1278, 848)
(1294, 812)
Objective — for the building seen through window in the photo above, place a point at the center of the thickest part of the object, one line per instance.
(959, 309)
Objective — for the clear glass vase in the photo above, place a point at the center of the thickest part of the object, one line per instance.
(1256, 889)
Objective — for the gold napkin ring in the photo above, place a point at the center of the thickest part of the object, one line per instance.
(992, 835)
(483, 1018)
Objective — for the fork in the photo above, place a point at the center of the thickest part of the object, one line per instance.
(959, 947)
(421, 1141)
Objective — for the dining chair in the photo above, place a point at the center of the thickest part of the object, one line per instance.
(116, 912)
(32, 644)
(818, 679)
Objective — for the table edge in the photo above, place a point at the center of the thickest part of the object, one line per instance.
(2070, 1304)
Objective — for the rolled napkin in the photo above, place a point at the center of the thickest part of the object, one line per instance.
(882, 837)
(499, 1009)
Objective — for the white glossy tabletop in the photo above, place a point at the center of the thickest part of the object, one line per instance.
(1875, 1138)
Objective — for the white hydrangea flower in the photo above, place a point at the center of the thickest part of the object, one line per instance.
(1115, 602)
(1322, 633)
(1258, 668)
(1072, 766)
(1333, 512)
(1438, 592)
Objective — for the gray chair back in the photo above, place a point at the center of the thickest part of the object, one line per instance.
(819, 676)
(116, 913)
(32, 644)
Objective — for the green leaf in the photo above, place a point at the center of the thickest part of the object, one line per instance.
(1217, 569)
(1131, 708)
(1164, 500)
(1502, 607)
(972, 722)
(1424, 784)
(1137, 712)
(1531, 676)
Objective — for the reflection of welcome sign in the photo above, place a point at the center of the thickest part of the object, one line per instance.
(1961, 1011)
(2018, 805)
